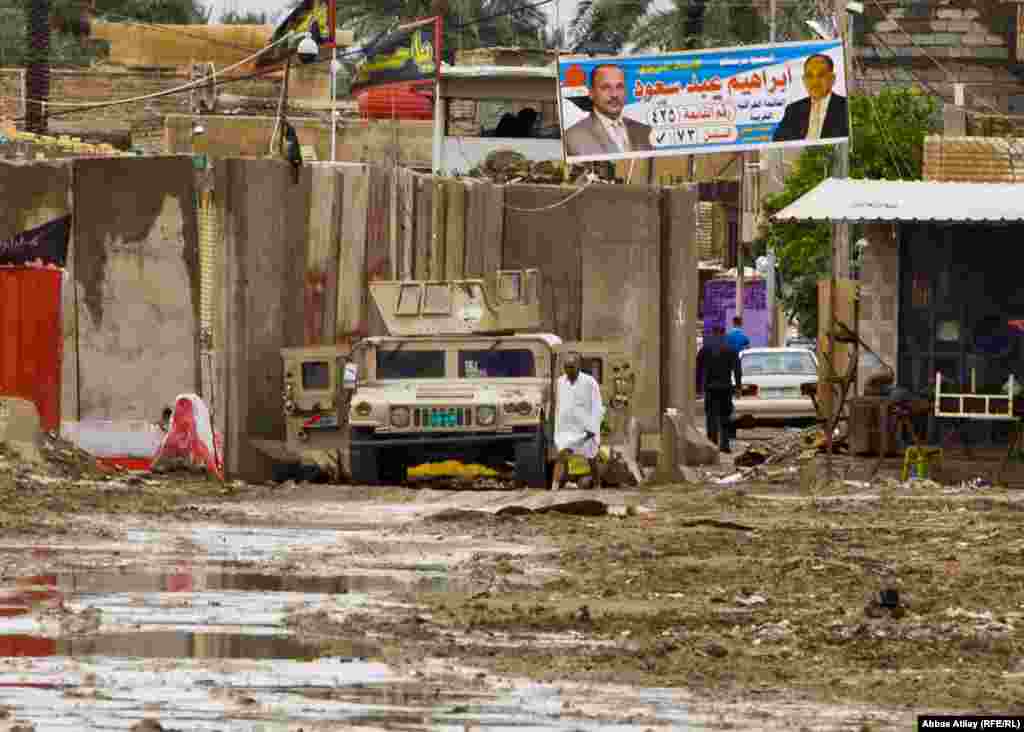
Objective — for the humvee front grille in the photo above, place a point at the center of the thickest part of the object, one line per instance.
(442, 417)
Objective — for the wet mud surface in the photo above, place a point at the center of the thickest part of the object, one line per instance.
(750, 606)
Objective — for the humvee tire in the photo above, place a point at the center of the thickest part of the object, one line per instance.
(393, 468)
(365, 459)
(532, 461)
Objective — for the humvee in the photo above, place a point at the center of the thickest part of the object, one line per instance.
(464, 375)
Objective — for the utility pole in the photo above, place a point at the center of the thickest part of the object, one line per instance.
(775, 325)
(750, 207)
(841, 160)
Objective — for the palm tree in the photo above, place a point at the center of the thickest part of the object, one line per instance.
(605, 23)
(688, 24)
(37, 64)
(467, 23)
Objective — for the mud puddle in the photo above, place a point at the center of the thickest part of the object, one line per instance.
(192, 626)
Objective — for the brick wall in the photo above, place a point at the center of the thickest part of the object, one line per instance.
(879, 298)
(974, 159)
(104, 86)
(943, 44)
(12, 90)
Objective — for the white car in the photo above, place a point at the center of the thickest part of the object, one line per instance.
(772, 381)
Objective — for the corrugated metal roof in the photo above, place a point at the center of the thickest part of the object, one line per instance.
(974, 159)
(491, 72)
(890, 200)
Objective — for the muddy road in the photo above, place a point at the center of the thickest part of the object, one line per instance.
(748, 606)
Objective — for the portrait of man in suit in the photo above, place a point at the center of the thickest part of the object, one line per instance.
(606, 131)
(823, 113)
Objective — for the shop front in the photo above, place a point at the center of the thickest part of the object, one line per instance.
(943, 286)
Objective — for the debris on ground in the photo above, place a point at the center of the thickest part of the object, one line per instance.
(509, 166)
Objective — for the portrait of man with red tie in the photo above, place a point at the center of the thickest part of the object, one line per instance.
(606, 130)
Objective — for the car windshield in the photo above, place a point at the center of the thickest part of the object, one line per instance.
(399, 364)
(512, 363)
(790, 362)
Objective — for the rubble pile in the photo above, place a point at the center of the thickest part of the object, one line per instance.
(64, 483)
(509, 166)
(788, 447)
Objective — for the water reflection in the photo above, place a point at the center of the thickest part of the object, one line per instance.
(175, 644)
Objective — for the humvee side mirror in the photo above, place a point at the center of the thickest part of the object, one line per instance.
(350, 377)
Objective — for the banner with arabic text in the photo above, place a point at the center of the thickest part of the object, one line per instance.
(720, 100)
(404, 55)
(44, 245)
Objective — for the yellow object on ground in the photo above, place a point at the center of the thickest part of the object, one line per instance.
(451, 468)
(918, 461)
(578, 465)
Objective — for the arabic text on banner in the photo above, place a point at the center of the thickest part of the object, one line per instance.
(724, 100)
(405, 55)
(47, 243)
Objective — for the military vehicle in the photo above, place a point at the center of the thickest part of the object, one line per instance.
(464, 374)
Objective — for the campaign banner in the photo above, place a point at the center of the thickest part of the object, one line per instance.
(405, 55)
(719, 100)
(43, 245)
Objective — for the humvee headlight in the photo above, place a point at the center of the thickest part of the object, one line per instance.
(485, 415)
(525, 408)
(400, 417)
(289, 407)
(362, 409)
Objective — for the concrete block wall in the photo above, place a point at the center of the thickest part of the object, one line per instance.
(879, 299)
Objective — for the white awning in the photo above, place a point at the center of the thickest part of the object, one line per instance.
(895, 200)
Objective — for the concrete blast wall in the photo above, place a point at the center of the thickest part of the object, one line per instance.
(130, 300)
(260, 269)
(136, 275)
(618, 263)
(599, 253)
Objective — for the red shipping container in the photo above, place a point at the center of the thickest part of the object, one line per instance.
(32, 339)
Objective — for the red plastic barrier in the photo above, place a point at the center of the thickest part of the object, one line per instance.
(32, 339)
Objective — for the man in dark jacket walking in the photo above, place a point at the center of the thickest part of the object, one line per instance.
(717, 365)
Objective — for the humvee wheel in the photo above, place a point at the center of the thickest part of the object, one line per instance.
(365, 458)
(393, 468)
(532, 461)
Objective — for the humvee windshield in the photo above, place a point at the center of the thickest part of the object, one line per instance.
(514, 363)
(398, 364)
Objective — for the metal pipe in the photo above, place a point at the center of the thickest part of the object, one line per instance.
(334, 102)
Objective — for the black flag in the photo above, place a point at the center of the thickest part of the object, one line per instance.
(48, 243)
